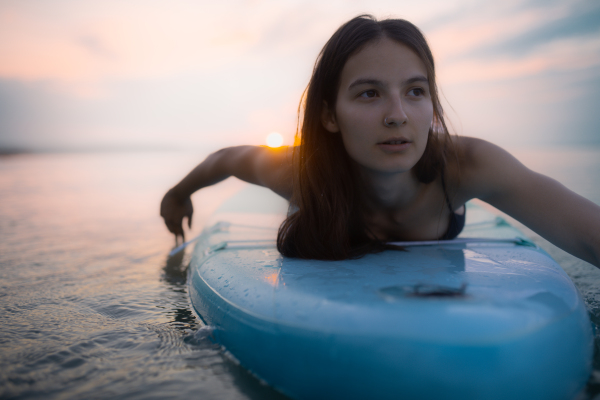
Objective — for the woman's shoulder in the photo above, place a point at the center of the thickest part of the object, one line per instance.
(275, 168)
(469, 148)
(473, 154)
(479, 166)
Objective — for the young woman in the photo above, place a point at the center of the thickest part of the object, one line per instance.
(376, 162)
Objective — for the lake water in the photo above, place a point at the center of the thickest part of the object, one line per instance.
(92, 307)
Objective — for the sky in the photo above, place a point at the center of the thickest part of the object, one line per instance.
(183, 74)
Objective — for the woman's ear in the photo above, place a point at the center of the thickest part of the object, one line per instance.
(328, 119)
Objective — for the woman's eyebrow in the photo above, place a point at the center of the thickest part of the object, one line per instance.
(366, 81)
(418, 78)
(376, 82)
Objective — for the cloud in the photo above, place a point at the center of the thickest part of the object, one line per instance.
(95, 46)
(543, 37)
(89, 73)
(520, 71)
(577, 20)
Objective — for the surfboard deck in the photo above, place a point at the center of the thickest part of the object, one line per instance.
(475, 320)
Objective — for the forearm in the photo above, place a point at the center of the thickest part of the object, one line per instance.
(589, 224)
(564, 218)
(231, 161)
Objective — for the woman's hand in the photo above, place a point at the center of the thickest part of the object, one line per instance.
(173, 208)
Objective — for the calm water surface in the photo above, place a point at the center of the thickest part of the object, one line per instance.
(92, 307)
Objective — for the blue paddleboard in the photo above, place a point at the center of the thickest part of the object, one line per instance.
(492, 317)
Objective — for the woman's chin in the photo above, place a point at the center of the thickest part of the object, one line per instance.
(387, 168)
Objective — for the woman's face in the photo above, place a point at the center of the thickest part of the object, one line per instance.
(385, 80)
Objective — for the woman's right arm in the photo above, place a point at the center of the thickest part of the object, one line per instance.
(262, 166)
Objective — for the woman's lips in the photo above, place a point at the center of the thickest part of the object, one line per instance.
(394, 145)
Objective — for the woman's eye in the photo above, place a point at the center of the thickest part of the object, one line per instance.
(369, 94)
(417, 92)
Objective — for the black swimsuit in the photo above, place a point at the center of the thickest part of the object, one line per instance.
(457, 221)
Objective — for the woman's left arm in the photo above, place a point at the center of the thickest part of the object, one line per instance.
(561, 216)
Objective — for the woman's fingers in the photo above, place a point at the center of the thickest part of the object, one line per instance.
(177, 230)
(173, 209)
(174, 227)
(189, 211)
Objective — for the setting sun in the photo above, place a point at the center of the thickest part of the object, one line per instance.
(274, 139)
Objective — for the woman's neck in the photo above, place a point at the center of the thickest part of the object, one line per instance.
(391, 192)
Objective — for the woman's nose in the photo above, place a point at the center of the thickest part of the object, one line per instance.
(395, 115)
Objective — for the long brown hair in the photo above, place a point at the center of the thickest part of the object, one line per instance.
(326, 218)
